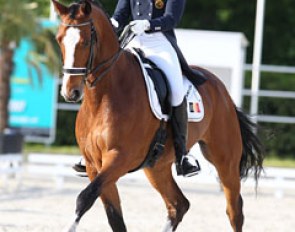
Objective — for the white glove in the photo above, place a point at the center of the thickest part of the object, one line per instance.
(114, 23)
(139, 26)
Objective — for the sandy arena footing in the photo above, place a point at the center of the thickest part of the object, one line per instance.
(38, 206)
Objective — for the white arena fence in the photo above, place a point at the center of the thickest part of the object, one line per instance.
(58, 167)
(287, 70)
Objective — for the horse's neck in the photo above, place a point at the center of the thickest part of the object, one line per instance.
(107, 46)
(121, 86)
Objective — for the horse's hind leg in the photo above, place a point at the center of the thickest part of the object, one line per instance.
(234, 209)
(176, 203)
(227, 163)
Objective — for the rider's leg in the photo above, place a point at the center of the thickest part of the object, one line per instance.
(157, 48)
(179, 128)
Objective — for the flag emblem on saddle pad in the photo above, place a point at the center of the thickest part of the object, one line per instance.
(194, 107)
(159, 4)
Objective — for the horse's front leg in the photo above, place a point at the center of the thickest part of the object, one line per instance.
(86, 199)
(112, 205)
(111, 201)
(100, 185)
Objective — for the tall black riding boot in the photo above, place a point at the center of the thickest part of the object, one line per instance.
(179, 128)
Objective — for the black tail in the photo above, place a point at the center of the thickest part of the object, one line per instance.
(253, 155)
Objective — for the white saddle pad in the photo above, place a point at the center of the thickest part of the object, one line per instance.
(195, 107)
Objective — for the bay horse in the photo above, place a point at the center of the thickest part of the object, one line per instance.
(115, 125)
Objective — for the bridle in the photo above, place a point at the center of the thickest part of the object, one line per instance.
(85, 71)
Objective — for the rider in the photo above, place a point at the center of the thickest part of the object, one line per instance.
(153, 23)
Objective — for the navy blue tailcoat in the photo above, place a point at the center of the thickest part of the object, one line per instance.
(163, 15)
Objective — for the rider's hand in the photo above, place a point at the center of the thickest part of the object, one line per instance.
(115, 23)
(139, 26)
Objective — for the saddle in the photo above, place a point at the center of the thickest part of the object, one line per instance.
(158, 90)
(160, 82)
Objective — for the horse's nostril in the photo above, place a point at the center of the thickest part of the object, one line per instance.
(75, 95)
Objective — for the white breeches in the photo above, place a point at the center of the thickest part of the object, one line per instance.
(159, 50)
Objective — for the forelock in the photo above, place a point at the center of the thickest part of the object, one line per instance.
(73, 9)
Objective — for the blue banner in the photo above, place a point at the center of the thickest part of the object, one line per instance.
(32, 103)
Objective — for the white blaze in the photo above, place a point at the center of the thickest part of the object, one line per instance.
(70, 42)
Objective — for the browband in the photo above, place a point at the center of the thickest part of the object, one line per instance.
(77, 25)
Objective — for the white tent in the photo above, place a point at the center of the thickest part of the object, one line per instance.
(223, 53)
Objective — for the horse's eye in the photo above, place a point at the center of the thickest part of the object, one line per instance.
(86, 43)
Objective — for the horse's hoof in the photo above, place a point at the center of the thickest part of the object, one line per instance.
(72, 228)
(168, 227)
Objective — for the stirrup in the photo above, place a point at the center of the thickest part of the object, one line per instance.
(79, 167)
(186, 168)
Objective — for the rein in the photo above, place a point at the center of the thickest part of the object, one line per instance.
(85, 71)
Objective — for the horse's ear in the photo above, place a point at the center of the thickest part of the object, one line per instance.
(60, 8)
(86, 7)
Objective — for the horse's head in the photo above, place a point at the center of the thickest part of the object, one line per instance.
(80, 35)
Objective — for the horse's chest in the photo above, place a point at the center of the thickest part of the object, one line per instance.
(93, 144)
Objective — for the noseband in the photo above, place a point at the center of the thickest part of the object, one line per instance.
(85, 71)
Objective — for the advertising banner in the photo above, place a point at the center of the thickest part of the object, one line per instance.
(33, 98)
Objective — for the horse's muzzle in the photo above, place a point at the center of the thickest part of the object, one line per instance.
(75, 96)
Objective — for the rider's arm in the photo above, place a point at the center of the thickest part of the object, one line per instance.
(122, 13)
(172, 16)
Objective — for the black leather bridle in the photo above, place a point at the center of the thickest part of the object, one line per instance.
(85, 71)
